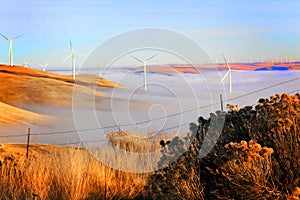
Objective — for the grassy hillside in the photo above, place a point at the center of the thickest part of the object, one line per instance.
(14, 115)
(80, 79)
(26, 86)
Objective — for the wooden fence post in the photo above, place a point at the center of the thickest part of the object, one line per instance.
(221, 101)
(28, 142)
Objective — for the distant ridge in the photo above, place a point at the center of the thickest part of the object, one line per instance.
(169, 69)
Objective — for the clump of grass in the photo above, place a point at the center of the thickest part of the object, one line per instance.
(138, 142)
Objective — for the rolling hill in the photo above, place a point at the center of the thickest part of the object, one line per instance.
(26, 86)
(14, 115)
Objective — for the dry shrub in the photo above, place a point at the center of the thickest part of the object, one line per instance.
(274, 123)
(249, 170)
(180, 179)
(240, 163)
(278, 127)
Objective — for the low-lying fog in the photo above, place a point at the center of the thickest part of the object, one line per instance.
(170, 101)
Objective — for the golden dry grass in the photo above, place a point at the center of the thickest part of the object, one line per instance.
(14, 115)
(137, 142)
(53, 172)
(80, 79)
(26, 85)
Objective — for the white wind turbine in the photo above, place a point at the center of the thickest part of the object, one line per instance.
(10, 47)
(44, 66)
(72, 54)
(227, 74)
(145, 62)
(26, 64)
(100, 74)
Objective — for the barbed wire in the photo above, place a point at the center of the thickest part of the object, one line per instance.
(158, 118)
(81, 142)
(294, 91)
(150, 133)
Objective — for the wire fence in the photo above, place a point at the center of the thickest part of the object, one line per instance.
(151, 120)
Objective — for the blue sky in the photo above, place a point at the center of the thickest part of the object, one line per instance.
(239, 29)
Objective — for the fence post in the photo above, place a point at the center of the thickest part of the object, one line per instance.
(28, 142)
(105, 183)
(221, 101)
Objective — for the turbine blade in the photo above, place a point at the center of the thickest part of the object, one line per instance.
(79, 54)
(46, 64)
(4, 37)
(69, 56)
(151, 57)
(137, 59)
(228, 72)
(226, 63)
(16, 37)
(71, 46)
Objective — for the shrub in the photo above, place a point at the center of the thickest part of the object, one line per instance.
(180, 180)
(254, 155)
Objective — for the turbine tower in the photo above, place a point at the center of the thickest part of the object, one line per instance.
(72, 54)
(10, 47)
(227, 74)
(145, 62)
(44, 66)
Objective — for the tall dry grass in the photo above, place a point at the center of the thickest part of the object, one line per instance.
(117, 170)
(66, 173)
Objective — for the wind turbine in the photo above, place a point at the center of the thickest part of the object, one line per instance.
(72, 54)
(10, 47)
(145, 68)
(227, 74)
(26, 64)
(44, 66)
(100, 74)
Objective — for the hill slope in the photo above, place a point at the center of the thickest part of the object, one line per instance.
(30, 86)
(26, 86)
(13, 115)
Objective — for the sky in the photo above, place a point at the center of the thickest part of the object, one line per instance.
(241, 30)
